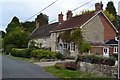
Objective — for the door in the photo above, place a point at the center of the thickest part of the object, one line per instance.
(61, 48)
(106, 52)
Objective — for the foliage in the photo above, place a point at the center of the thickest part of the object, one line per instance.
(111, 8)
(60, 56)
(11, 26)
(59, 66)
(29, 26)
(2, 33)
(86, 11)
(85, 47)
(117, 22)
(16, 21)
(77, 37)
(9, 47)
(42, 19)
(20, 52)
(66, 36)
(1, 45)
(109, 15)
(40, 54)
(18, 37)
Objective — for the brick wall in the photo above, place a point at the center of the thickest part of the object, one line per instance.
(109, 32)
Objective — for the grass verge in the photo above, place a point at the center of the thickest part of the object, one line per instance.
(70, 74)
(25, 59)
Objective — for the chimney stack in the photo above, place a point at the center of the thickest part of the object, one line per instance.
(37, 24)
(99, 6)
(60, 17)
(69, 14)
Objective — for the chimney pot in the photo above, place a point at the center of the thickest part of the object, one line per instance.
(69, 14)
(60, 17)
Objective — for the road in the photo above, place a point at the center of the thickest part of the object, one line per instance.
(14, 68)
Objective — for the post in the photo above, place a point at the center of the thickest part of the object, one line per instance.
(119, 55)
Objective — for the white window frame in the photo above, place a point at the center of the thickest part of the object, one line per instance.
(115, 49)
(65, 46)
(72, 47)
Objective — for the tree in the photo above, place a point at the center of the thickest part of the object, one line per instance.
(29, 26)
(16, 21)
(11, 26)
(110, 8)
(109, 15)
(42, 19)
(18, 37)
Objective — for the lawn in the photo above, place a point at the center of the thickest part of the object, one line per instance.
(68, 74)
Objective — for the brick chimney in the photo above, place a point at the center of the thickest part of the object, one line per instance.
(37, 24)
(60, 17)
(99, 6)
(69, 14)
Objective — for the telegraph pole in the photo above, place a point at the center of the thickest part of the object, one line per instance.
(119, 55)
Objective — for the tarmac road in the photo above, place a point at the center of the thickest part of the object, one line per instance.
(14, 68)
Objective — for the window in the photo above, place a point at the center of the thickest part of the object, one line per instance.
(115, 49)
(105, 50)
(72, 47)
(65, 46)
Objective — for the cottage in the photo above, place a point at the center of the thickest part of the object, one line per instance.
(96, 27)
(97, 30)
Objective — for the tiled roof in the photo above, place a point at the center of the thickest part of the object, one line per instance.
(75, 22)
(43, 31)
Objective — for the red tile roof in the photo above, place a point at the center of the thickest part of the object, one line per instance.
(75, 22)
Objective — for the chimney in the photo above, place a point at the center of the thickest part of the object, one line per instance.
(99, 6)
(69, 14)
(37, 24)
(60, 17)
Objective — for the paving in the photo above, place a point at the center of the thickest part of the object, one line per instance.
(51, 63)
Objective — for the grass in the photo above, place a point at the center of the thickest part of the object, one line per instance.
(67, 74)
(25, 59)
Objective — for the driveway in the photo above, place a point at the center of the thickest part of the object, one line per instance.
(14, 68)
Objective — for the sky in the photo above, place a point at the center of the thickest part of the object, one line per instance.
(24, 9)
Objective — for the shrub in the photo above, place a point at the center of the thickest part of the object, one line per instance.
(9, 47)
(40, 54)
(60, 56)
(20, 52)
(85, 47)
(59, 66)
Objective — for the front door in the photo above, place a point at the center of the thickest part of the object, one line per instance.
(60, 48)
(106, 52)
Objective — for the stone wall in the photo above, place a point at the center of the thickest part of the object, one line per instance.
(103, 70)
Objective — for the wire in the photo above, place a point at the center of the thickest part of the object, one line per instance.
(73, 10)
(42, 10)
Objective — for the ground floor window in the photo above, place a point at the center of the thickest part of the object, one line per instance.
(65, 46)
(115, 49)
(72, 46)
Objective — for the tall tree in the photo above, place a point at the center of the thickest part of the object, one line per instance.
(16, 21)
(111, 8)
(11, 26)
(29, 26)
(42, 19)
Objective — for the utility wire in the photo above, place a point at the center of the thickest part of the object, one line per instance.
(42, 10)
(73, 10)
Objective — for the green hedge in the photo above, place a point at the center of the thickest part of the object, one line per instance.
(20, 52)
(42, 54)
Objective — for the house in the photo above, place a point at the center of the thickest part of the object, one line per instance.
(42, 35)
(97, 30)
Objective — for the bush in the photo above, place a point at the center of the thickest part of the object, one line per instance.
(42, 54)
(70, 57)
(9, 47)
(60, 56)
(20, 52)
(59, 66)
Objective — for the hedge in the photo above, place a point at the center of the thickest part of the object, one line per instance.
(42, 54)
(20, 52)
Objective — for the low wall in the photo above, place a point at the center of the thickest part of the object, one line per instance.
(99, 69)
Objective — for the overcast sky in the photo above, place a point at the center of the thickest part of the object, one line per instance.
(24, 9)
